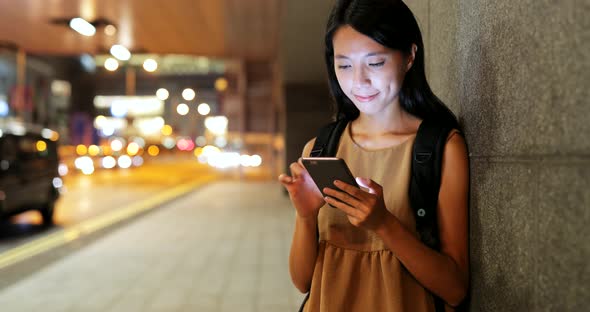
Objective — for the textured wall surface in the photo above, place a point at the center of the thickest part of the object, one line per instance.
(516, 73)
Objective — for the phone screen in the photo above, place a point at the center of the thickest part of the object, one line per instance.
(324, 170)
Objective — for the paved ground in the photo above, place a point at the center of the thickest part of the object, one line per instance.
(223, 247)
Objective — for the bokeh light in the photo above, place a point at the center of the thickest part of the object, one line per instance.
(57, 182)
(41, 146)
(118, 109)
(116, 145)
(4, 107)
(153, 150)
(137, 161)
(132, 149)
(62, 169)
(216, 124)
(81, 150)
(162, 94)
(185, 144)
(111, 64)
(140, 141)
(201, 141)
(93, 150)
(120, 52)
(169, 142)
(100, 121)
(124, 161)
(182, 109)
(255, 160)
(85, 164)
(204, 109)
(109, 162)
(110, 30)
(167, 130)
(108, 131)
(188, 94)
(221, 84)
(150, 65)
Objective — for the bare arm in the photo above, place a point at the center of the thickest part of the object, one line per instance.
(445, 273)
(304, 251)
(307, 200)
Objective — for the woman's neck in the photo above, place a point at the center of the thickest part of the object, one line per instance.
(395, 121)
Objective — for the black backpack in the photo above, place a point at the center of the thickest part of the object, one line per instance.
(425, 177)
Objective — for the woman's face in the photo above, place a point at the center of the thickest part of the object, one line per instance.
(369, 73)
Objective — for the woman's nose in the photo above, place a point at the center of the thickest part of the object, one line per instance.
(361, 78)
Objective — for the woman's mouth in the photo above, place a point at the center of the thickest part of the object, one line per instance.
(368, 98)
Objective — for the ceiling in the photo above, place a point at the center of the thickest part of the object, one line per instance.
(253, 30)
(245, 29)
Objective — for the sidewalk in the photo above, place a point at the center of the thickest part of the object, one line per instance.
(223, 247)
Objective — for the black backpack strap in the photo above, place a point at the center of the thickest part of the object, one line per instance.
(427, 156)
(326, 143)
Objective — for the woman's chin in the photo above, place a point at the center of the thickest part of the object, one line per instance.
(368, 109)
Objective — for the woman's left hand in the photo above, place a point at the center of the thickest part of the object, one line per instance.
(365, 209)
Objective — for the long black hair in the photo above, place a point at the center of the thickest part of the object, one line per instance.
(392, 24)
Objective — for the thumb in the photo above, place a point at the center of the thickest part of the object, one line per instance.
(372, 186)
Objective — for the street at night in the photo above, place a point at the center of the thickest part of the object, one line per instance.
(171, 235)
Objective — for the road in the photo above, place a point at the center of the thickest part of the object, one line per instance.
(89, 196)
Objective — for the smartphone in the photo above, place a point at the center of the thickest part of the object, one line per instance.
(324, 170)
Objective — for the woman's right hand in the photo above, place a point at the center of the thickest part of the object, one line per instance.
(303, 192)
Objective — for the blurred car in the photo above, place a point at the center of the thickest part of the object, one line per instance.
(29, 177)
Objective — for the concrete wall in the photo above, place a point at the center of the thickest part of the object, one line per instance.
(516, 73)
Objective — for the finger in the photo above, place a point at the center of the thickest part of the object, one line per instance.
(350, 189)
(285, 179)
(343, 196)
(296, 170)
(344, 207)
(372, 186)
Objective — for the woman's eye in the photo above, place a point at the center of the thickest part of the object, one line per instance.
(377, 64)
(343, 66)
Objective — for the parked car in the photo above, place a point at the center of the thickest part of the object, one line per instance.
(29, 177)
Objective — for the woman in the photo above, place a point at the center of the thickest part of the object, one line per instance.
(368, 256)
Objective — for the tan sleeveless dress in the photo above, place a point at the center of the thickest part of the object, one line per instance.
(354, 270)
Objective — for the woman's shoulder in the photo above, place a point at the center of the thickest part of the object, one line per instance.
(455, 134)
(455, 146)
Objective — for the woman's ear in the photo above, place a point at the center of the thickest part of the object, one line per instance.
(411, 57)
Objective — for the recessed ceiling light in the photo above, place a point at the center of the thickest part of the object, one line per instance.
(82, 26)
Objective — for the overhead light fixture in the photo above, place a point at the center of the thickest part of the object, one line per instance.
(111, 64)
(110, 30)
(150, 65)
(82, 26)
(120, 52)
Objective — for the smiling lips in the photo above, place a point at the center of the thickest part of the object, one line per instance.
(365, 98)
